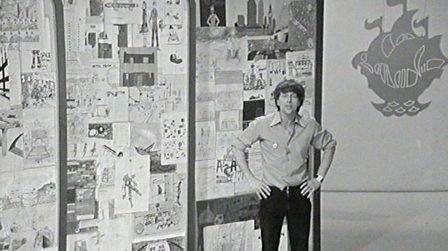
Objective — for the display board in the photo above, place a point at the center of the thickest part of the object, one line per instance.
(28, 126)
(127, 116)
(243, 50)
(384, 94)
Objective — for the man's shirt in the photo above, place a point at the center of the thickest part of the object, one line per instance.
(284, 154)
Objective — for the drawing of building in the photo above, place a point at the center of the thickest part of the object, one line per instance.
(251, 14)
(138, 66)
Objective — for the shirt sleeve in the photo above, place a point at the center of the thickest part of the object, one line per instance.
(322, 139)
(249, 136)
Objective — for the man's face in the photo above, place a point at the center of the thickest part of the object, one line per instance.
(288, 102)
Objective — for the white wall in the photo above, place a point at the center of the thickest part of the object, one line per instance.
(376, 152)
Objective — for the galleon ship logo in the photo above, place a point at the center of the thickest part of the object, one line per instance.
(400, 64)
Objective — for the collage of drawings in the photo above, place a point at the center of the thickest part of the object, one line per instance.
(244, 49)
(28, 191)
(126, 125)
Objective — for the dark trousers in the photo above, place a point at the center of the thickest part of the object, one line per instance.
(297, 209)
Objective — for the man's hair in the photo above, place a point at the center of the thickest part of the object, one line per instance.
(290, 86)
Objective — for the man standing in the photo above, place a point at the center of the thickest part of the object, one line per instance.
(286, 186)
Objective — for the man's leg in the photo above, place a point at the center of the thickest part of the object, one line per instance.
(298, 216)
(272, 212)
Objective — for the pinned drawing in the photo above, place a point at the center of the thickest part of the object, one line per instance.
(213, 13)
(236, 236)
(168, 244)
(138, 66)
(167, 212)
(38, 90)
(300, 64)
(174, 138)
(205, 140)
(82, 205)
(131, 184)
(38, 139)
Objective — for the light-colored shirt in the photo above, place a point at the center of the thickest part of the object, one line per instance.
(284, 154)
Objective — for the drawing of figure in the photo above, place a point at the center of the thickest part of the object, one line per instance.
(130, 186)
(144, 27)
(213, 19)
(154, 27)
(172, 36)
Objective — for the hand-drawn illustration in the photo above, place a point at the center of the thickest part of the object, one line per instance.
(38, 90)
(400, 64)
(230, 236)
(9, 119)
(302, 25)
(20, 22)
(229, 97)
(174, 138)
(169, 244)
(131, 183)
(300, 64)
(101, 131)
(167, 212)
(230, 120)
(226, 210)
(38, 138)
(138, 66)
(213, 13)
(153, 21)
(81, 195)
(205, 140)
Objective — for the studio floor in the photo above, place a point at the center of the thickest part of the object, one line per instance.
(384, 221)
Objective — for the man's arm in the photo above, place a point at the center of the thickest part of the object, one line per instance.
(239, 145)
(322, 140)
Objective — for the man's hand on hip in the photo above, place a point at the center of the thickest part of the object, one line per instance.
(308, 188)
(261, 188)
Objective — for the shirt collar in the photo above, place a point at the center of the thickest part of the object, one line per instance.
(277, 119)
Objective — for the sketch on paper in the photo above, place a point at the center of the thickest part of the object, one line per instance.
(10, 119)
(169, 244)
(20, 22)
(174, 138)
(229, 97)
(226, 210)
(205, 140)
(167, 206)
(28, 188)
(236, 236)
(156, 163)
(38, 137)
(255, 77)
(38, 90)
(205, 111)
(300, 64)
(224, 140)
(276, 71)
(82, 205)
(31, 228)
(302, 25)
(229, 120)
(138, 66)
(100, 131)
(108, 105)
(213, 13)
(131, 183)
(263, 49)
